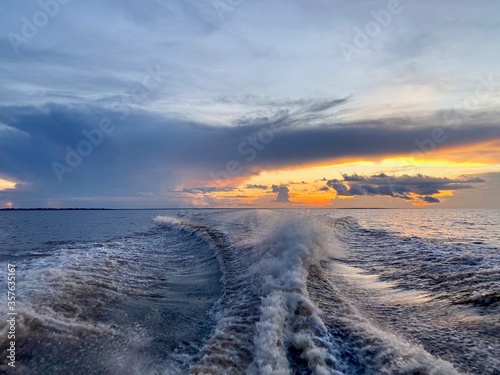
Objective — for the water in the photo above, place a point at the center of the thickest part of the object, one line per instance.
(253, 291)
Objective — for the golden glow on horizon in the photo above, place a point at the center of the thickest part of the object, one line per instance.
(420, 204)
(487, 152)
(242, 196)
(5, 184)
(414, 162)
(450, 162)
(316, 198)
(393, 166)
(305, 182)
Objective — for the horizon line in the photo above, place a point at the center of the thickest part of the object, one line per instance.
(237, 208)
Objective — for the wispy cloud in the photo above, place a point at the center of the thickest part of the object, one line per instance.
(253, 186)
(208, 189)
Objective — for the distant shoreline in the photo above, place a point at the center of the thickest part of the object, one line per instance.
(55, 209)
(224, 208)
(198, 208)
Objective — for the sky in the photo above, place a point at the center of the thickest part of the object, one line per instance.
(238, 103)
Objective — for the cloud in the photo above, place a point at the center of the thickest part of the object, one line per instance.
(429, 199)
(148, 152)
(208, 189)
(282, 191)
(418, 187)
(228, 72)
(252, 186)
(320, 106)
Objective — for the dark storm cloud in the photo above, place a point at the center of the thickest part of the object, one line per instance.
(146, 152)
(282, 191)
(404, 187)
(297, 144)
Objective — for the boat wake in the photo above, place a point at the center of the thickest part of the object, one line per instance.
(256, 292)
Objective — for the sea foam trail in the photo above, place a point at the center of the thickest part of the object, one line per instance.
(267, 323)
(367, 347)
(281, 314)
(289, 252)
(455, 316)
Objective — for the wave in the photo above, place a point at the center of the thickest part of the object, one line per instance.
(365, 345)
(110, 305)
(250, 292)
(266, 319)
(269, 323)
(446, 273)
(485, 300)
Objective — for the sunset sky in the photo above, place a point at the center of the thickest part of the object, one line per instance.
(239, 103)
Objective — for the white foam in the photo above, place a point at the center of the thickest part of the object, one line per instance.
(288, 317)
(385, 289)
(270, 355)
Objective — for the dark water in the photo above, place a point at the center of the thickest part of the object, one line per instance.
(253, 291)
